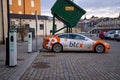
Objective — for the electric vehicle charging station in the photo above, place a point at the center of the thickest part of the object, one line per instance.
(29, 42)
(13, 48)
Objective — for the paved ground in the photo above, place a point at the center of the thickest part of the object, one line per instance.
(76, 65)
(62, 66)
(24, 59)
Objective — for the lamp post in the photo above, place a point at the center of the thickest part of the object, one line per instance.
(36, 20)
(7, 39)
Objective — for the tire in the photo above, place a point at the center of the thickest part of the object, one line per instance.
(118, 40)
(99, 48)
(57, 48)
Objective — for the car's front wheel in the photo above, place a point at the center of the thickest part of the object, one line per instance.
(99, 48)
(57, 48)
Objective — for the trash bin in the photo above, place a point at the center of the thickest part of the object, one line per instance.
(67, 11)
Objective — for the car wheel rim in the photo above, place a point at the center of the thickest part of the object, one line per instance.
(99, 48)
(57, 48)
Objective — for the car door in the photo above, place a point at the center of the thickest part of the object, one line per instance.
(87, 44)
(71, 43)
(111, 34)
(75, 43)
(81, 43)
(64, 40)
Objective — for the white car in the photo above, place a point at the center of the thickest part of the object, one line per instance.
(74, 42)
(117, 36)
(111, 34)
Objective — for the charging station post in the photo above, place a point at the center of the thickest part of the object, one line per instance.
(12, 48)
(29, 42)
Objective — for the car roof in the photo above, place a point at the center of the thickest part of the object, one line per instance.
(72, 33)
(68, 33)
(110, 31)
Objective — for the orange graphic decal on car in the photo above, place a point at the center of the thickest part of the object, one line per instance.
(52, 40)
(81, 45)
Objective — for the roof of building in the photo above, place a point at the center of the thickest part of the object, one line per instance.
(24, 16)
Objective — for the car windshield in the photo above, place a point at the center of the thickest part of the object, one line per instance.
(110, 32)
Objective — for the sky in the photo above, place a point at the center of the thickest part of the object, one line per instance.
(97, 8)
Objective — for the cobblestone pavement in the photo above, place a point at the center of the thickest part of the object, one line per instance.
(22, 56)
(6, 72)
(76, 65)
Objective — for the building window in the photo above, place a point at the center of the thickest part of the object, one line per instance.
(10, 2)
(32, 3)
(30, 20)
(11, 12)
(42, 21)
(33, 13)
(17, 20)
(19, 12)
(12, 23)
(19, 2)
(41, 26)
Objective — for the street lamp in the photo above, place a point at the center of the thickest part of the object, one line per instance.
(36, 20)
(7, 39)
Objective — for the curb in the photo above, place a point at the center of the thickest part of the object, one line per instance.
(17, 75)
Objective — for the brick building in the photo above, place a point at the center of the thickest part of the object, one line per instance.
(25, 6)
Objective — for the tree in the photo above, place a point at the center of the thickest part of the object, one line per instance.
(22, 30)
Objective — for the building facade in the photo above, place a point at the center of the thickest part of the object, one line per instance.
(3, 21)
(25, 7)
(99, 23)
(44, 23)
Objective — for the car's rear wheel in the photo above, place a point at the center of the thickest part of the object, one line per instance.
(99, 48)
(57, 48)
(117, 39)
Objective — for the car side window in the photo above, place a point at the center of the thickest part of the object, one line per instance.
(63, 36)
(71, 36)
(112, 32)
(77, 37)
